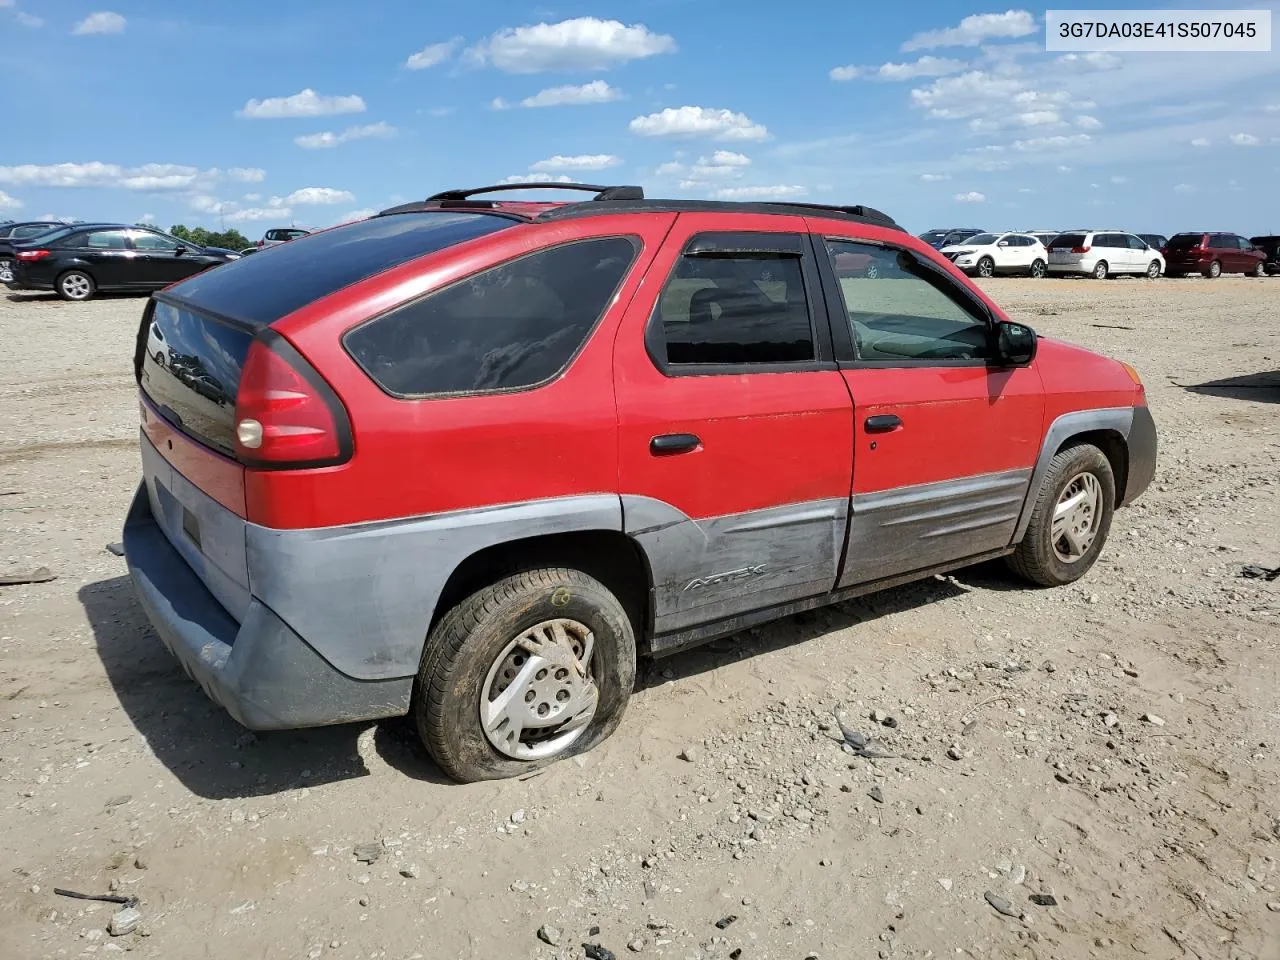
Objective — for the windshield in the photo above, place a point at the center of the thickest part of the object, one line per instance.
(252, 290)
(978, 240)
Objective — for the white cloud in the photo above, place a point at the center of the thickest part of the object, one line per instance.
(708, 122)
(1118, 179)
(926, 66)
(1063, 169)
(1244, 140)
(1036, 118)
(306, 103)
(24, 18)
(727, 158)
(974, 30)
(432, 54)
(317, 195)
(671, 168)
(780, 192)
(1025, 190)
(247, 174)
(597, 91)
(9, 203)
(1184, 188)
(364, 213)
(1086, 122)
(583, 43)
(934, 177)
(102, 22)
(973, 196)
(1089, 62)
(255, 214)
(1272, 108)
(594, 161)
(155, 177)
(536, 178)
(1201, 142)
(1061, 142)
(252, 197)
(497, 103)
(147, 218)
(328, 139)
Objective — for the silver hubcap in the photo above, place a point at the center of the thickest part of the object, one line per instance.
(985, 268)
(75, 286)
(1153, 270)
(1214, 270)
(1100, 271)
(1076, 517)
(873, 272)
(539, 695)
(1037, 269)
(6, 271)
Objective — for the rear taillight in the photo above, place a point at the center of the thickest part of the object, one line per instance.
(29, 256)
(1080, 249)
(286, 414)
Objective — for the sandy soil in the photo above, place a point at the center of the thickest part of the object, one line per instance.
(1156, 837)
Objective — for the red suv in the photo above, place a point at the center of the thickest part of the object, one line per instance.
(476, 456)
(1212, 254)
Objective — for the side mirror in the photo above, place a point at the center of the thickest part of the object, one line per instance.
(1003, 243)
(1015, 345)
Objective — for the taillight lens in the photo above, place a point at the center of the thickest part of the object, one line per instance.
(286, 414)
(1080, 249)
(28, 256)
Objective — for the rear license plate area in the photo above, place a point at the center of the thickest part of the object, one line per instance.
(191, 526)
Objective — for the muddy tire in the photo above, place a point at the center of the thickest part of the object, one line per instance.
(500, 693)
(1070, 518)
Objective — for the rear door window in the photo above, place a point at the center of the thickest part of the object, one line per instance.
(105, 240)
(189, 367)
(511, 327)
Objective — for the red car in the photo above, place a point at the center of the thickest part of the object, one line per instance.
(1212, 254)
(478, 456)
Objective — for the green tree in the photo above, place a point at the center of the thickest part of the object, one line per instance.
(231, 239)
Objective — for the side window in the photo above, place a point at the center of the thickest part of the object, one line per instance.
(510, 327)
(733, 309)
(911, 315)
(1243, 243)
(1135, 243)
(104, 240)
(146, 240)
(1218, 241)
(1105, 240)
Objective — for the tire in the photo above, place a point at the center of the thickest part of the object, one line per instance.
(159, 359)
(1153, 270)
(1038, 269)
(1038, 558)
(75, 285)
(1260, 269)
(6, 270)
(986, 268)
(471, 649)
(1214, 271)
(1100, 270)
(873, 271)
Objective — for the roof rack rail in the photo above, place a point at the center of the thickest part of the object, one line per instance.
(601, 192)
(858, 212)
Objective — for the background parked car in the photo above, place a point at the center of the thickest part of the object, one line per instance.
(1044, 236)
(1212, 254)
(1154, 240)
(78, 261)
(1270, 246)
(943, 236)
(1104, 253)
(11, 233)
(986, 254)
(278, 235)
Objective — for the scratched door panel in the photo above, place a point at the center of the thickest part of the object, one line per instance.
(717, 567)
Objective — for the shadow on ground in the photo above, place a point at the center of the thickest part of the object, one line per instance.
(216, 758)
(1259, 387)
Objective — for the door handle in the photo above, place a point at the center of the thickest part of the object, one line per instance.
(669, 443)
(883, 423)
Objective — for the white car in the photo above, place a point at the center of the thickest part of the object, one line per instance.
(156, 345)
(990, 253)
(1104, 253)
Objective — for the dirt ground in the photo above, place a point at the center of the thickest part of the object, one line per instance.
(1117, 740)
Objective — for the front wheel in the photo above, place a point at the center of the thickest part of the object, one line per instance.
(986, 267)
(1153, 270)
(534, 668)
(1038, 269)
(1214, 271)
(1260, 269)
(1070, 518)
(873, 271)
(1100, 270)
(75, 285)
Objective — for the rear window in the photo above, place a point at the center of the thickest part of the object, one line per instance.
(263, 288)
(189, 366)
(1183, 240)
(1069, 240)
(510, 327)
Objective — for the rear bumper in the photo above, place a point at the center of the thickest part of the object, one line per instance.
(259, 670)
(1142, 455)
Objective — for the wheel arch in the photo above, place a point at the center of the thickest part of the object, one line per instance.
(610, 556)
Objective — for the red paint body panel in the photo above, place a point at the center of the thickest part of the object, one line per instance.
(1079, 379)
(220, 477)
(956, 422)
(768, 439)
(415, 457)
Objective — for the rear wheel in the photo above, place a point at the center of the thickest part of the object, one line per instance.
(986, 267)
(1214, 271)
(6, 271)
(1038, 268)
(1153, 270)
(534, 668)
(75, 285)
(1100, 270)
(1070, 518)
(873, 271)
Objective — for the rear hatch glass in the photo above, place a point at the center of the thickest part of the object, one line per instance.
(189, 368)
(265, 287)
(1068, 240)
(1184, 241)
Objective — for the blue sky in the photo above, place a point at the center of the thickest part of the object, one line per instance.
(258, 114)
